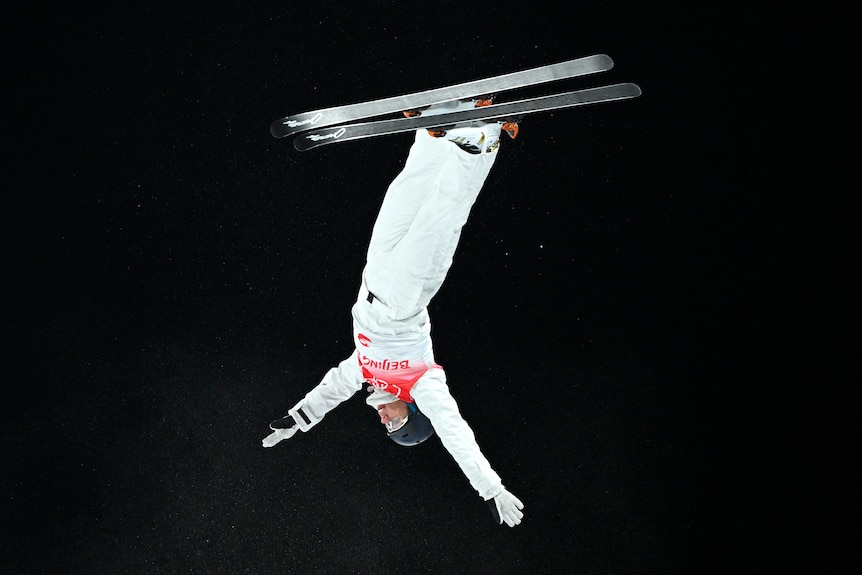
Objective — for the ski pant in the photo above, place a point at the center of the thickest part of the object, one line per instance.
(419, 224)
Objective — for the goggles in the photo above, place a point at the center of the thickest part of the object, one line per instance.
(394, 425)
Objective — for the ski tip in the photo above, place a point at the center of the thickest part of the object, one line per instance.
(607, 60)
(628, 90)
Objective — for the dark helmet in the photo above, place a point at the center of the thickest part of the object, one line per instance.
(417, 429)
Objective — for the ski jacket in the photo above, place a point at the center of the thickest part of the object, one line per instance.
(393, 363)
(431, 395)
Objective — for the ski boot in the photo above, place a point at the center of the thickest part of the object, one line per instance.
(475, 138)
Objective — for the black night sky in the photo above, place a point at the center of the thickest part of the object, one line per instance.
(615, 326)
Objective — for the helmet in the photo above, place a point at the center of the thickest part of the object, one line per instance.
(417, 429)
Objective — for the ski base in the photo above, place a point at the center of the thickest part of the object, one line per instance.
(510, 111)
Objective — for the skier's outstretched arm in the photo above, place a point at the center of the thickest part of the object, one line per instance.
(434, 400)
(339, 384)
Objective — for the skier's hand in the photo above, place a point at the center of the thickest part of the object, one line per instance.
(283, 428)
(505, 507)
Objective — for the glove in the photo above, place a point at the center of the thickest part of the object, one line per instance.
(283, 428)
(505, 507)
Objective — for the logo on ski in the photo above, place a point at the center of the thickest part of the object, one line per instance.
(310, 122)
(330, 136)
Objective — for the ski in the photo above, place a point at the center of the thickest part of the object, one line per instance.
(340, 114)
(509, 111)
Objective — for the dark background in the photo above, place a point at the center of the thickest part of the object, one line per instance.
(622, 326)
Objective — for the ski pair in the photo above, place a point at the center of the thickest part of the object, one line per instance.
(322, 125)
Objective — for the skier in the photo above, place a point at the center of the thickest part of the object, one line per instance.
(410, 252)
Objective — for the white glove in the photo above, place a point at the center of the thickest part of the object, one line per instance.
(506, 508)
(283, 428)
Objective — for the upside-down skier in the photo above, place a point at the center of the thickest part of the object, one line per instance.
(412, 244)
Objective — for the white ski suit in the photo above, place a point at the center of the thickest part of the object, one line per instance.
(411, 250)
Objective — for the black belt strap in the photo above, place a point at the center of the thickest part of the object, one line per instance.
(370, 297)
(304, 417)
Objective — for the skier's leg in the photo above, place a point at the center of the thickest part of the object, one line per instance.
(406, 193)
(404, 197)
(408, 275)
